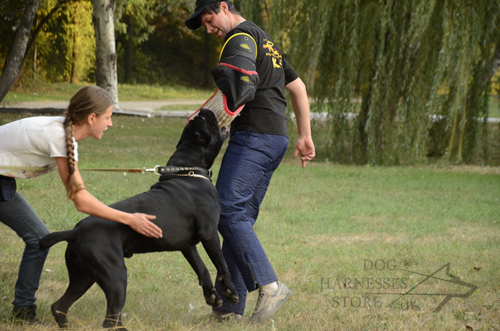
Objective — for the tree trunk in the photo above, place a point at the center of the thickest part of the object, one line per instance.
(17, 53)
(207, 61)
(73, 79)
(129, 50)
(34, 65)
(106, 74)
(36, 32)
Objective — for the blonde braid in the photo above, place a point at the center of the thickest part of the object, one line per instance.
(74, 187)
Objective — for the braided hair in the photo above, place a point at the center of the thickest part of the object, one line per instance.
(89, 99)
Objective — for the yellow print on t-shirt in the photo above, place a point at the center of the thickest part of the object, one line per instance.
(274, 53)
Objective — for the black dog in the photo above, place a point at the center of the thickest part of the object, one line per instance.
(187, 209)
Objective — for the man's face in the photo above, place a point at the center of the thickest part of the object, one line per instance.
(218, 24)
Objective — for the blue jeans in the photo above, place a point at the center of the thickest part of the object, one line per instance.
(20, 217)
(244, 176)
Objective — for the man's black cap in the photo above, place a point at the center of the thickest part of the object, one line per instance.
(193, 22)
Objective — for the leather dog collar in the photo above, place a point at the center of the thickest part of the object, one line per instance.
(184, 171)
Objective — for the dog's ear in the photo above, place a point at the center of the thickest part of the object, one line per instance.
(202, 138)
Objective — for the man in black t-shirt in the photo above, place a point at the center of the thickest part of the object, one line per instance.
(254, 72)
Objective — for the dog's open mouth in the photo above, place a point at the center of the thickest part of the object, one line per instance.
(210, 117)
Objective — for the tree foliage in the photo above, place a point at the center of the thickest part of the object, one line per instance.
(163, 50)
(171, 53)
(61, 45)
(66, 48)
(402, 80)
(17, 51)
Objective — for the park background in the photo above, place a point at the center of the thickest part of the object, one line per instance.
(404, 96)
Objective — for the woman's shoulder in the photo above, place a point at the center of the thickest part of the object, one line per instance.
(34, 123)
(39, 121)
(46, 122)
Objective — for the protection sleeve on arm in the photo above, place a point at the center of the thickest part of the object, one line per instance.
(236, 74)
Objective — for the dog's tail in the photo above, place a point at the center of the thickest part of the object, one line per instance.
(53, 238)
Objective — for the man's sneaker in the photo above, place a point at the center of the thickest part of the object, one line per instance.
(226, 316)
(268, 303)
(26, 314)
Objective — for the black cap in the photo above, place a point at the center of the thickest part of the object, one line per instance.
(193, 22)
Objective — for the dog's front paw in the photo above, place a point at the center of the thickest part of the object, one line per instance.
(213, 299)
(232, 297)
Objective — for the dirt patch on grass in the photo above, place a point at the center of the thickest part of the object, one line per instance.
(321, 239)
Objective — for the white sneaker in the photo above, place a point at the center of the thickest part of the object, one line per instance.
(268, 303)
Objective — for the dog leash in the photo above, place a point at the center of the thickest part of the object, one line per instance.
(142, 170)
(130, 170)
(167, 170)
(157, 170)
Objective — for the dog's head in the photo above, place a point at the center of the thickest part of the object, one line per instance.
(200, 141)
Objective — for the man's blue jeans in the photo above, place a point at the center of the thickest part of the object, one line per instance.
(20, 217)
(244, 176)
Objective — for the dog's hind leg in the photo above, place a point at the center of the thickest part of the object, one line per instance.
(193, 257)
(79, 282)
(212, 247)
(113, 280)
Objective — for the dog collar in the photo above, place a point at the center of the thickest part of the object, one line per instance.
(184, 171)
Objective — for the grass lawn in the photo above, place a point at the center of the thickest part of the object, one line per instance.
(362, 248)
(64, 91)
(494, 109)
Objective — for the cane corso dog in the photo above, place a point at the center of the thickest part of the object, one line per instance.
(187, 209)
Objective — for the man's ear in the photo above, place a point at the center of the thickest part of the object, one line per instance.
(223, 7)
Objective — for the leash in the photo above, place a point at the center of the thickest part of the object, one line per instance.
(196, 172)
(167, 170)
(129, 170)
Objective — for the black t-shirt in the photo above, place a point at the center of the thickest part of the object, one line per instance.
(266, 113)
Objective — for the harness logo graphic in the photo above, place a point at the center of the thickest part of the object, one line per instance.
(245, 46)
(406, 287)
(442, 282)
(245, 79)
(274, 53)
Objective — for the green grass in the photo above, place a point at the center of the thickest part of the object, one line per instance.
(494, 108)
(319, 226)
(127, 92)
(190, 107)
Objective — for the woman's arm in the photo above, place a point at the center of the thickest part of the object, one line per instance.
(300, 104)
(87, 203)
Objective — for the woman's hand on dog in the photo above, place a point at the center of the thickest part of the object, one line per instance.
(87, 203)
(141, 223)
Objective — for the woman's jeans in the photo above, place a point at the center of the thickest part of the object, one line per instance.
(244, 176)
(20, 217)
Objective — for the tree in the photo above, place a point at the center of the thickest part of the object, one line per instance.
(164, 50)
(133, 19)
(401, 80)
(17, 53)
(106, 74)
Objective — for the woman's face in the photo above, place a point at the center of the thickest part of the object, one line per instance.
(101, 123)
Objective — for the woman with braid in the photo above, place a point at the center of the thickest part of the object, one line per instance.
(34, 146)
